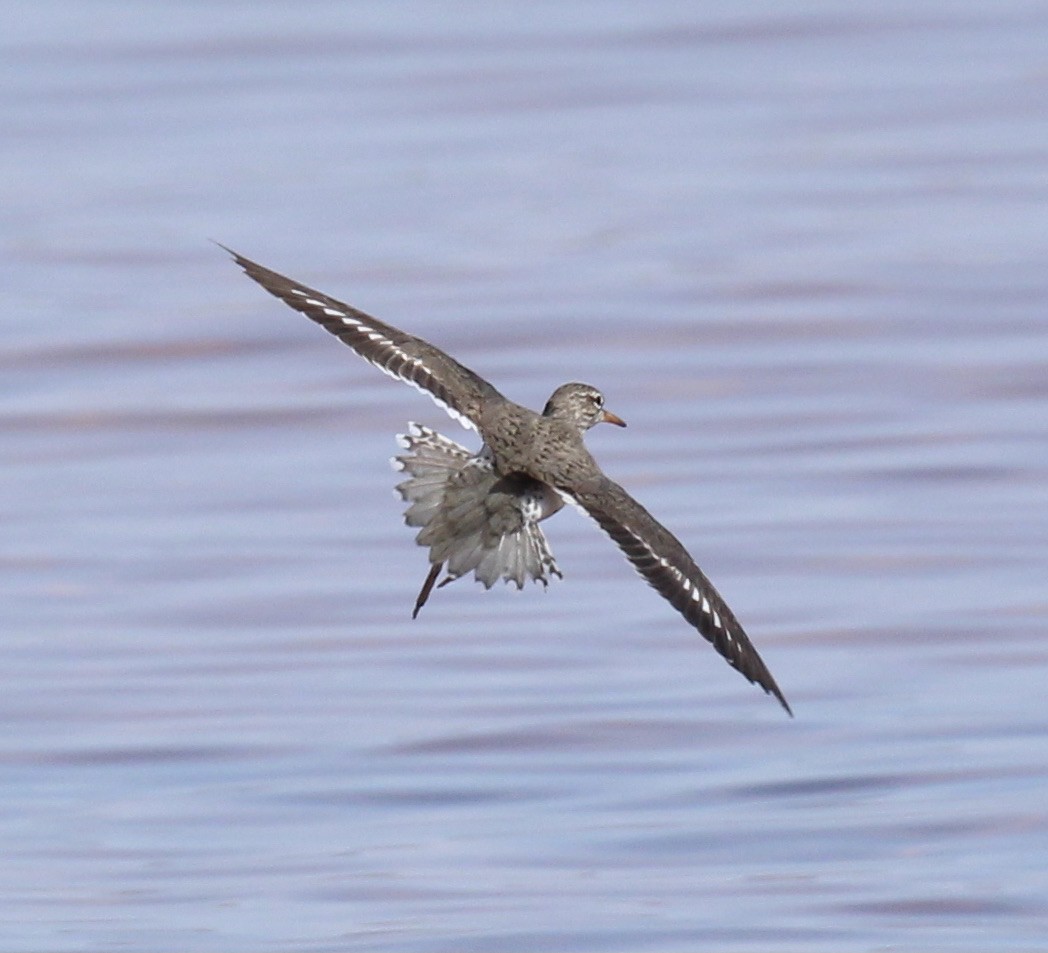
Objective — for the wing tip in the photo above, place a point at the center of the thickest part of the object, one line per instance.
(764, 679)
(774, 690)
(752, 667)
(236, 256)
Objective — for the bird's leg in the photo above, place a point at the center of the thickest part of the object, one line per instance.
(427, 588)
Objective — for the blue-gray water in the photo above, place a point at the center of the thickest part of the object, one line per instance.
(800, 245)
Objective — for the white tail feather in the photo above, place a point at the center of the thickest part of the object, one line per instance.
(471, 518)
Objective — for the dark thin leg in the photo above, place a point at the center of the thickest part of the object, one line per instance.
(427, 588)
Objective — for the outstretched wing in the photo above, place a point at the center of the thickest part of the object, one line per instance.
(400, 355)
(664, 562)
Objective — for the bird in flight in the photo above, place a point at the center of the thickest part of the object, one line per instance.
(480, 511)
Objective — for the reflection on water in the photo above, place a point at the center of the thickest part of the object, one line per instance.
(802, 253)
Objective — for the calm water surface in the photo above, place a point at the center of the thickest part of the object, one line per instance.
(801, 246)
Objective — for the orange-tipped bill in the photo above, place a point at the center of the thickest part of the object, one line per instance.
(609, 418)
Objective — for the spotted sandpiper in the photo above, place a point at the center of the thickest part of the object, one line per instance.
(480, 511)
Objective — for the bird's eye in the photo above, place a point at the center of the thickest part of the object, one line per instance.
(598, 400)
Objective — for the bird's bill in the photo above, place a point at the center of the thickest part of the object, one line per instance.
(607, 417)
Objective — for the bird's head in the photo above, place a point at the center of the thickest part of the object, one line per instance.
(581, 405)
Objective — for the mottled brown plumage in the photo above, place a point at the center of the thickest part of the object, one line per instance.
(480, 512)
